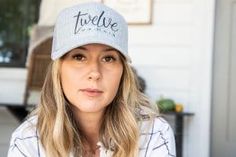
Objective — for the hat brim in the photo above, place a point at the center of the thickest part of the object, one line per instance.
(88, 40)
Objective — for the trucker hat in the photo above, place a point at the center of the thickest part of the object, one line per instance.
(89, 23)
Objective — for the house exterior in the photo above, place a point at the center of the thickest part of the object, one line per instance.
(174, 54)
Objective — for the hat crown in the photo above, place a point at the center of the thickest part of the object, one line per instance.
(89, 23)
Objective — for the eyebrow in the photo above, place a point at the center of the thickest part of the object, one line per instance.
(110, 49)
(82, 48)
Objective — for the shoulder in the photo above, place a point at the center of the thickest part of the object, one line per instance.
(24, 140)
(156, 138)
(27, 129)
(153, 126)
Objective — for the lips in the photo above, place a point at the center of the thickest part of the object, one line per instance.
(91, 92)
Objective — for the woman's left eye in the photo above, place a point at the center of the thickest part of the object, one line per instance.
(109, 59)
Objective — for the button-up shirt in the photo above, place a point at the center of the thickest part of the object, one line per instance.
(156, 140)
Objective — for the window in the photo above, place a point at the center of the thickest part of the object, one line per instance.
(16, 19)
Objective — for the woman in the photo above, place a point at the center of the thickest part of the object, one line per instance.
(90, 104)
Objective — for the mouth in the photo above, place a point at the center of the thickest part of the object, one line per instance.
(91, 92)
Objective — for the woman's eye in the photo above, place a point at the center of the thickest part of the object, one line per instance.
(79, 57)
(109, 59)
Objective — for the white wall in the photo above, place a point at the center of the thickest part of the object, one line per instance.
(173, 55)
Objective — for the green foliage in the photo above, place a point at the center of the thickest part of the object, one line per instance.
(166, 104)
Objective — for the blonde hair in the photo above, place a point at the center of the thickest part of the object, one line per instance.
(119, 131)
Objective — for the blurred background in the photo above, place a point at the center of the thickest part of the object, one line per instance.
(183, 50)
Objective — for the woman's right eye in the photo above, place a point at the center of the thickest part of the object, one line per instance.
(79, 57)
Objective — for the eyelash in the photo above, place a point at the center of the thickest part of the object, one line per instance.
(111, 58)
(78, 57)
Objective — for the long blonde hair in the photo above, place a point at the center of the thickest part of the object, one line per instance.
(119, 131)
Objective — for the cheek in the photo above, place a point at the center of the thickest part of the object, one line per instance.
(116, 80)
(113, 81)
(65, 82)
(68, 80)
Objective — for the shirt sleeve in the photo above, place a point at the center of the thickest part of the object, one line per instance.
(16, 148)
(163, 144)
(24, 142)
(23, 147)
(160, 140)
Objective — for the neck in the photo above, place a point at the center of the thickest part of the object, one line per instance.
(89, 124)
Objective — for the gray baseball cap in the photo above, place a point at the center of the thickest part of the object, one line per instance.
(86, 24)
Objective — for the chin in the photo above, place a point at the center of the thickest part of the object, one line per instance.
(90, 108)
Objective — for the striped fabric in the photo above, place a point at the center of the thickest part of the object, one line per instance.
(156, 140)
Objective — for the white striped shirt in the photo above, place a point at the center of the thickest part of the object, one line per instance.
(156, 140)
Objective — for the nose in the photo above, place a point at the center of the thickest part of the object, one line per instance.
(94, 73)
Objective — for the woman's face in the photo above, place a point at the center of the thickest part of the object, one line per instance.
(90, 77)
